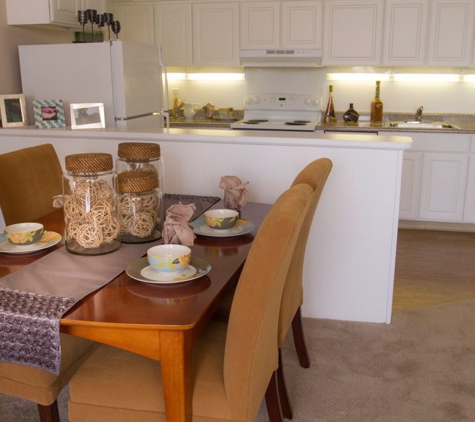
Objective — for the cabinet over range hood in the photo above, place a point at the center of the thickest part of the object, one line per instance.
(281, 58)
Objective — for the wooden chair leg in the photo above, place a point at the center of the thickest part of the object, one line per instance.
(283, 395)
(272, 400)
(49, 413)
(299, 340)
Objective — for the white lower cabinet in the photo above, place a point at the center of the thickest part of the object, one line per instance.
(410, 186)
(443, 183)
(469, 209)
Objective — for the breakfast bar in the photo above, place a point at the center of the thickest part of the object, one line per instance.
(350, 261)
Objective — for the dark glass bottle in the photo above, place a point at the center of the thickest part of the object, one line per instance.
(377, 106)
(351, 115)
(329, 116)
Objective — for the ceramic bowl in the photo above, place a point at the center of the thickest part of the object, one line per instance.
(169, 258)
(23, 234)
(222, 219)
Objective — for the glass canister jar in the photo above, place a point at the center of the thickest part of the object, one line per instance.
(140, 206)
(92, 225)
(141, 156)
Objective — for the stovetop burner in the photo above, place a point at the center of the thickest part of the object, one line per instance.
(298, 123)
(255, 121)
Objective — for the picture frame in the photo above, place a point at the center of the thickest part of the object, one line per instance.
(49, 114)
(87, 116)
(13, 110)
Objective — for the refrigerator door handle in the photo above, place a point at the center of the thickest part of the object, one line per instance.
(165, 114)
(165, 99)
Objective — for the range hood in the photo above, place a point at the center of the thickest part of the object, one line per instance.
(281, 58)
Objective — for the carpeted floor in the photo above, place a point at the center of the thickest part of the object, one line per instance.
(420, 368)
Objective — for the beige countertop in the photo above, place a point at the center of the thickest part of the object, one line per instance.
(465, 123)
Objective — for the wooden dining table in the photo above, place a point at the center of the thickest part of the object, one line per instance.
(161, 322)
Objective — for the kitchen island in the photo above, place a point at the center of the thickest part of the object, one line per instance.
(350, 261)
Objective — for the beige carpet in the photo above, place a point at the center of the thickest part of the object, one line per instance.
(420, 368)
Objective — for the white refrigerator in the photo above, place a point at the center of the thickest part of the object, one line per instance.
(128, 78)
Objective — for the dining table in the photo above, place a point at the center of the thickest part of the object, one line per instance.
(160, 321)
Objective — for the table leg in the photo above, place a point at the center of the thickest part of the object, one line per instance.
(176, 363)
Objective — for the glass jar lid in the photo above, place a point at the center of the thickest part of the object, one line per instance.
(139, 151)
(89, 163)
(134, 181)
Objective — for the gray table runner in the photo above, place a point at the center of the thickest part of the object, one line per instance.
(33, 299)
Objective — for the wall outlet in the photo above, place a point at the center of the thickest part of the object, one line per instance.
(174, 93)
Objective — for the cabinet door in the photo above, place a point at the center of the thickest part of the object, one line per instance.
(98, 5)
(216, 34)
(302, 24)
(410, 186)
(405, 32)
(173, 31)
(260, 25)
(64, 11)
(136, 22)
(353, 32)
(451, 32)
(469, 212)
(443, 186)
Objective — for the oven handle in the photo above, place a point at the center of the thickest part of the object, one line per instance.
(352, 132)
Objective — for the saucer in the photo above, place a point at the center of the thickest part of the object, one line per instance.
(243, 227)
(7, 247)
(140, 270)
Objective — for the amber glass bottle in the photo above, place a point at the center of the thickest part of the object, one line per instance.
(377, 106)
(329, 116)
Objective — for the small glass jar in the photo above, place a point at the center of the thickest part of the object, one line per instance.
(140, 206)
(92, 225)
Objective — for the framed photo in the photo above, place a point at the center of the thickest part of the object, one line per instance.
(49, 114)
(13, 110)
(87, 116)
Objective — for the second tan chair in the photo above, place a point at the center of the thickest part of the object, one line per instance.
(29, 179)
(234, 364)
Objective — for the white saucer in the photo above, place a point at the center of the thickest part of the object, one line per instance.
(204, 229)
(136, 268)
(7, 247)
(200, 227)
(149, 273)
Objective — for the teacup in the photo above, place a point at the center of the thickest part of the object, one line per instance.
(169, 258)
(23, 234)
(221, 219)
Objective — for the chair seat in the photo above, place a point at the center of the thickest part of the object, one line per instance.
(41, 386)
(111, 369)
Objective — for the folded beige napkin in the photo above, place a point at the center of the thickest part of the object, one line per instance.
(176, 228)
(235, 192)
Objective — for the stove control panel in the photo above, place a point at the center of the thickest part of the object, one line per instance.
(288, 102)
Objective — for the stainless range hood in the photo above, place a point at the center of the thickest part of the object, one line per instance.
(281, 58)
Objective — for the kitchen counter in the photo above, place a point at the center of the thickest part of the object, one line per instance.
(465, 123)
(351, 249)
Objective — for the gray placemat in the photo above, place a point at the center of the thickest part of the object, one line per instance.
(202, 203)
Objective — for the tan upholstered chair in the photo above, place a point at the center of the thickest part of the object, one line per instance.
(42, 387)
(233, 364)
(29, 179)
(315, 175)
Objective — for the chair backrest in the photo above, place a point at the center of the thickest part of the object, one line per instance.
(315, 175)
(29, 179)
(251, 354)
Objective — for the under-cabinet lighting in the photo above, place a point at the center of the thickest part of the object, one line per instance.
(206, 76)
(358, 77)
(429, 77)
(401, 77)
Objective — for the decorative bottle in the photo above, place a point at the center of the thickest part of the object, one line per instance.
(351, 115)
(329, 116)
(377, 106)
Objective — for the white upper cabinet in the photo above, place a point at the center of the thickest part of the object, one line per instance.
(405, 32)
(98, 5)
(353, 32)
(451, 33)
(43, 12)
(136, 22)
(281, 25)
(216, 34)
(173, 31)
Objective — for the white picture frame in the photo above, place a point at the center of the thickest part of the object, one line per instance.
(87, 116)
(13, 110)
